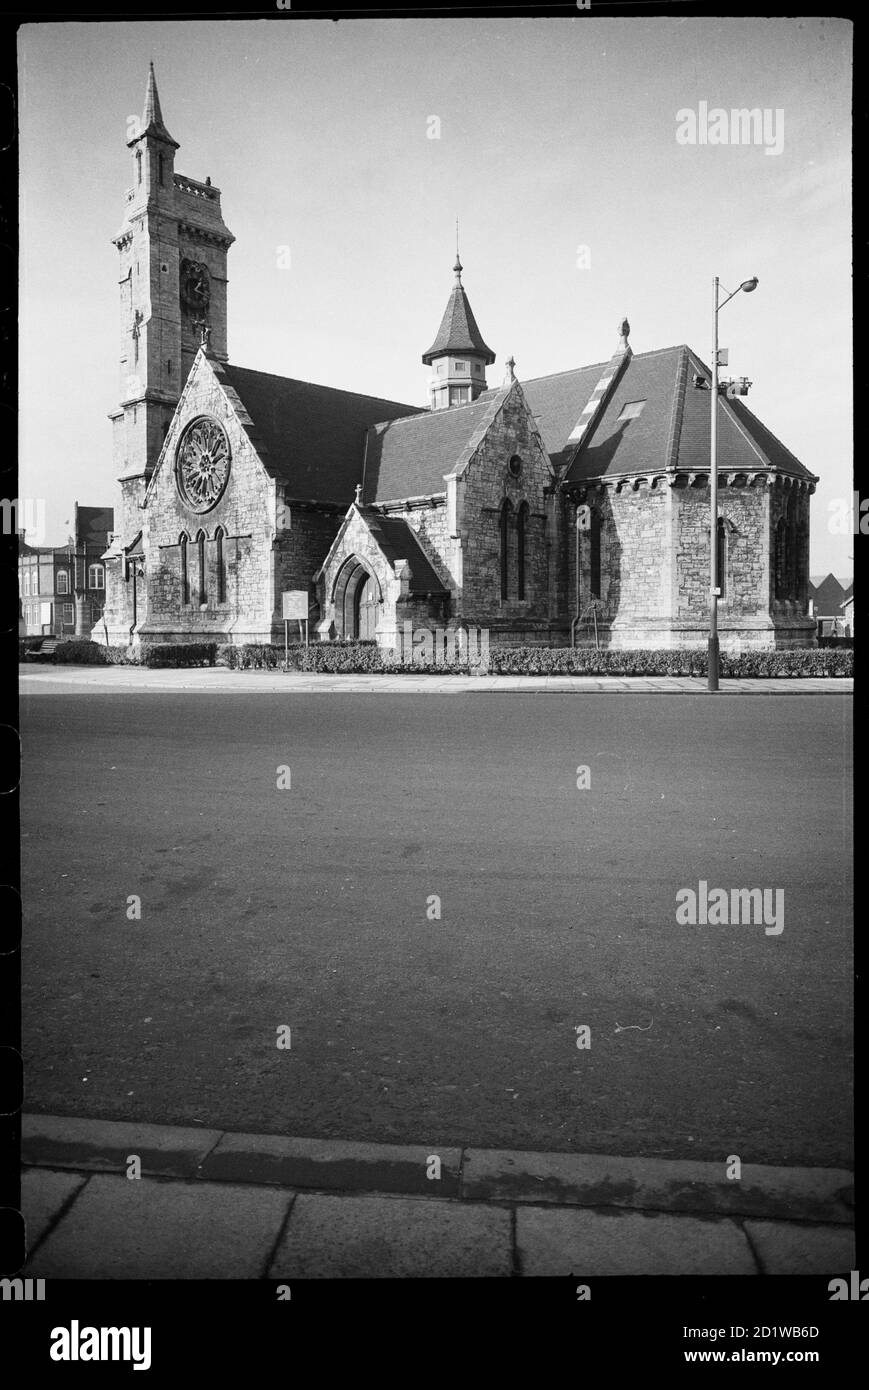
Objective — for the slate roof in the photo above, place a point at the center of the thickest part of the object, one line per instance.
(321, 442)
(409, 457)
(311, 437)
(458, 331)
(672, 430)
(557, 401)
(398, 541)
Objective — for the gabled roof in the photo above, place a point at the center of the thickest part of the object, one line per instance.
(410, 457)
(557, 402)
(398, 540)
(310, 437)
(672, 430)
(320, 442)
(458, 331)
(828, 595)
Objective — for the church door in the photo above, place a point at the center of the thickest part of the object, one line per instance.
(366, 609)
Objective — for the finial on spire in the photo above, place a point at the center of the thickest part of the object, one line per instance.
(624, 330)
(510, 375)
(358, 497)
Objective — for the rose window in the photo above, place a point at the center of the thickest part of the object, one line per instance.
(202, 466)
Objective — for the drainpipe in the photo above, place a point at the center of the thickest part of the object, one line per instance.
(133, 627)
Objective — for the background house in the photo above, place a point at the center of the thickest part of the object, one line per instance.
(62, 588)
(827, 596)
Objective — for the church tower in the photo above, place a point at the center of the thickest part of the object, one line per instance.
(172, 246)
(458, 356)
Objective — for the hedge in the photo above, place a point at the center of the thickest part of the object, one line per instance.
(78, 652)
(180, 654)
(366, 658)
(680, 661)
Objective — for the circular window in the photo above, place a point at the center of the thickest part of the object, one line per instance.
(202, 463)
(514, 467)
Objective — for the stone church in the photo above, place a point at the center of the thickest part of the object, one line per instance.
(238, 485)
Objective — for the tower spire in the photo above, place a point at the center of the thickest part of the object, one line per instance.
(152, 116)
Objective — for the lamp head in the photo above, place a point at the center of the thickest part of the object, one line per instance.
(749, 285)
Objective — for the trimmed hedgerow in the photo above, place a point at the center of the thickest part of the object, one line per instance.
(78, 653)
(366, 658)
(362, 658)
(251, 656)
(123, 656)
(180, 654)
(680, 661)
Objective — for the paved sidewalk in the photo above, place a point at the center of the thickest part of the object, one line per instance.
(216, 1205)
(35, 680)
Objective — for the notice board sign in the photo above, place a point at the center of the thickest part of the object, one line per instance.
(295, 604)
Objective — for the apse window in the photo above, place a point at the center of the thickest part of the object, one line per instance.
(632, 410)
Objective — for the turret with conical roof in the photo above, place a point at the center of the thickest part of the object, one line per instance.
(458, 356)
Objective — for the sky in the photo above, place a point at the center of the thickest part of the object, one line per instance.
(558, 154)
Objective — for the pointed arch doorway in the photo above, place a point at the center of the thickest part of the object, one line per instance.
(358, 600)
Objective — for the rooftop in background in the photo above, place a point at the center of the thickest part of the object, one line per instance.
(829, 594)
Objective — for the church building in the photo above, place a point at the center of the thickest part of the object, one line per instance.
(237, 485)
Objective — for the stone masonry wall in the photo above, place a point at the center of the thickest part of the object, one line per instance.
(246, 512)
(485, 484)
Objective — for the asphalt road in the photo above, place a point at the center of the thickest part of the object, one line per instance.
(307, 908)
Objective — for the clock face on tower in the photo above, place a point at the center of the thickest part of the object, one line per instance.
(202, 463)
(195, 287)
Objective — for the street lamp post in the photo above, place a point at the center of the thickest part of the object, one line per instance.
(713, 654)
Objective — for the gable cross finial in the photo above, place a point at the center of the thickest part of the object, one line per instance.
(358, 498)
(510, 375)
(624, 330)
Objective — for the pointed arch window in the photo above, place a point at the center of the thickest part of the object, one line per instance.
(594, 581)
(521, 527)
(161, 164)
(220, 564)
(802, 565)
(791, 548)
(200, 547)
(506, 509)
(780, 547)
(185, 573)
(138, 166)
